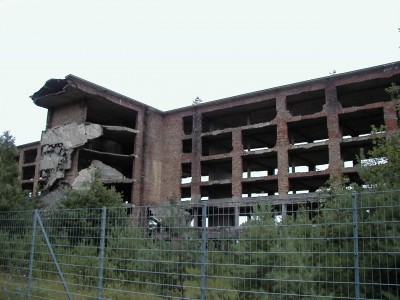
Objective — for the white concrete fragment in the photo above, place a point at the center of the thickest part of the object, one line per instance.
(103, 171)
(58, 144)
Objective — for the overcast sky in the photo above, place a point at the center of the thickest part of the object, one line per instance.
(166, 53)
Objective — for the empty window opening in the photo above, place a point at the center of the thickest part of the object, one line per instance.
(366, 92)
(259, 138)
(259, 188)
(112, 145)
(238, 116)
(310, 183)
(124, 188)
(354, 177)
(216, 170)
(292, 209)
(221, 217)
(187, 125)
(217, 144)
(307, 131)
(309, 160)
(256, 174)
(123, 164)
(28, 173)
(104, 112)
(216, 191)
(350, 151)
(186, 173)
(186, 194)
(187, 146)
(306, 103)
(27, 187)
(205, 178)
(30, 156)
(260, 165)
(245, 214)
(358, 124)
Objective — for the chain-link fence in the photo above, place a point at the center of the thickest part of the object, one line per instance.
(342, 247)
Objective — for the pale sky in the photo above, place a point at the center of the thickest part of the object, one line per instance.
(166, 53)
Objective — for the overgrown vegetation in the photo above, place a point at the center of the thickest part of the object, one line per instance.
(96, 195)
(12, 196)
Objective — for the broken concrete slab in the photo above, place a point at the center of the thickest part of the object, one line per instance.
(58, 144)
(104, 172)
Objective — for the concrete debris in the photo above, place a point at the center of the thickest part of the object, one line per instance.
(103, 171)
(51, 199)
(58, 144)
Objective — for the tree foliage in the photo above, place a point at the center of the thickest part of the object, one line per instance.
(381, 170)
(96, 196)
(11, 194)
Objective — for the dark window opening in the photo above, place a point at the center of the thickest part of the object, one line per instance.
(308, 131)
(186, 194)
(115, 146)
(359, 123)
(217, 144)
(308, 160)
(216, 170)
(187, 146)
(366, 92)
(309, 184)
(28, 173)
(221, 217)
(351, 151)
(260, 165)
(238, 116)
(125, 189)
(306, 103)
(123, 165)
(259, 188)
(259, 138)
(187, 125)
(186, 169)
(30, 156)
(103, 112)
(28, 187)
(217, 191)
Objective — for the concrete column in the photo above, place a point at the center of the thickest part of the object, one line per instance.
(237, 164)
(138, 175)
(196, 155)
(332, 107)
(37, 171)
(282, 145)
(284, 210)
(21, 159)
(236, 216)
(390, 116)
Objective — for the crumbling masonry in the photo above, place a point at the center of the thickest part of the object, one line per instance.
(262, 145)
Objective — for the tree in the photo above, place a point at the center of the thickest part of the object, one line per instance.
(381, 170)
(11, 194)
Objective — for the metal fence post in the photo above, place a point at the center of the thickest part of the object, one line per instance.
(101, 253)
(356, 253)
(53, 256)
(31, 256)
(203, 249)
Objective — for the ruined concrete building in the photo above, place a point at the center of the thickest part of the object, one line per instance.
(279, 141)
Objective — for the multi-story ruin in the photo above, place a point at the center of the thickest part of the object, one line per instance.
(265, 144)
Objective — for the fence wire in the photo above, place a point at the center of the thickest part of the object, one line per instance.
(342, 247)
